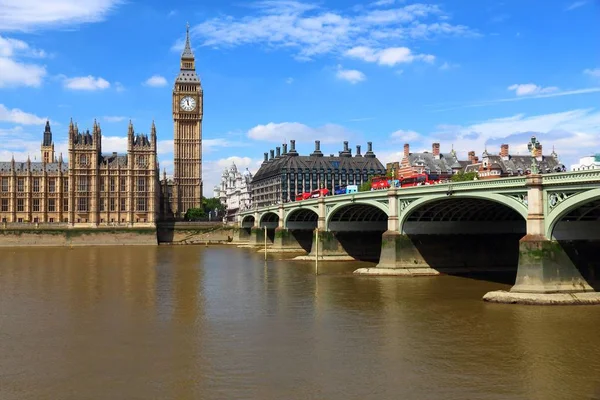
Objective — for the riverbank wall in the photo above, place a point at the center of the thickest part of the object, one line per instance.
(171, 233)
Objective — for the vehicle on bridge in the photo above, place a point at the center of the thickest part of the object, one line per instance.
(314, 194)
(346, 189)
(383, 182)
(419, 180)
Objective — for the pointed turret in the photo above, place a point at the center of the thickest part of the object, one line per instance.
(153, 133)
(187, 50)
(47, 135)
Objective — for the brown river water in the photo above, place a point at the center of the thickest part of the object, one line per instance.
(220, 323)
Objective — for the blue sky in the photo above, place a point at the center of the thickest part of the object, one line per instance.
(467, 74)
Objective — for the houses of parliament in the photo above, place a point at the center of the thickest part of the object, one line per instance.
(92, 189)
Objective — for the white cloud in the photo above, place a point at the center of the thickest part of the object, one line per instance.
(389, 57)
(380, 3)
(86, 83)
(156, 81)
(164, 146)
(114, 118)
(17, 116)
(119, 87)
(16, 73)
(285, 131)
(351, 75)
(576, 4)
(30, 15)
(446, 66)
(528, 89)
(404, 136)
(310, 31)
(592, 72)
(289, 81)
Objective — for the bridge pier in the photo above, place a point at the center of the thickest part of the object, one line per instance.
(546, 275)
(399, 256)
(291, 240)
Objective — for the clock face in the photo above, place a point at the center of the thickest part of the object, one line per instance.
(188, 103)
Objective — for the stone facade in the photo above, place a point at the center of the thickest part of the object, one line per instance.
(443, 165)
(234, 191)
(283, 175)
(184, 191)
(92, 189)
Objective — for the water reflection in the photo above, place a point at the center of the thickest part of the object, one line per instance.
(220, 323)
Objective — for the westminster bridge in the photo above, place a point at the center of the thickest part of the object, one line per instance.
(546, 228)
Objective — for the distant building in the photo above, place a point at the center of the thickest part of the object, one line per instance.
(505, 164)
(234, 191)
(444, 165)
(283, 175)
(586, 163)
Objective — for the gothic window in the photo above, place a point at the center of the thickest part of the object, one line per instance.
(141, 184)
(5, 205)
(5, 184)
(123, 205)
(20, 205)
(112, 184)
(46, 158)
(36, 205)
(122, 181)
(52, 185)
(51, 205)
(20, 184)
(141, 204)
(113, 206)
(36, 185)
(65, 205)
(82, 184)
(65, 185)
(102, 185)
(141, 161)
(82, 204)
(83, 159)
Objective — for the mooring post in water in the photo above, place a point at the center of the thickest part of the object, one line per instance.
(265, 243)
(317, 252)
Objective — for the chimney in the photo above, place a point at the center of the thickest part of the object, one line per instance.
(346, 151)
(406, 150)
(266, 157)
(114, 153)
(358, 151)
(475, 160)
(284, 148)
(472, 157)
(504, 151)
(345, 146)
(435, 149)
(293, 151)
(317, 152)
(278, 151)
(369, 153)
(272, 153)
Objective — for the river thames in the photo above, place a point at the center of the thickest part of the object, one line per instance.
(193, 322)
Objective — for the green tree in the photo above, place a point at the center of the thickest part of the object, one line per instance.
(464, 176)
(365, 187)
(194, 214)
(209, 204)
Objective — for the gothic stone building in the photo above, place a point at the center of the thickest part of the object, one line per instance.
(92, 189)
(184, 191)
(443, 165)
(283, 175)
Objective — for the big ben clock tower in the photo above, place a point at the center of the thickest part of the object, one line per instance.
(187, 135)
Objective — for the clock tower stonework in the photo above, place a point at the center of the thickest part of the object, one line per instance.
(187, 135)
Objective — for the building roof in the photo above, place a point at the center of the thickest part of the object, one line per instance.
(36, 166)
(47, 135)
(444, 164)
(274, 166)
(113, 160)
(187, 50)
(516, 164)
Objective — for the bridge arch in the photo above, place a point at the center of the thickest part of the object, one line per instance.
(248, 221)
(301, 218)
(357, 216)
(269, 219)
(583, 206)
(469, 207)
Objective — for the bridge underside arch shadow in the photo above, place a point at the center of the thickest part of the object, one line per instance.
(354, 231)
(300, 225)
(576, 226)
(455, 235)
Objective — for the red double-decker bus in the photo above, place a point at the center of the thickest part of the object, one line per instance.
(420, 179)
(380, 182)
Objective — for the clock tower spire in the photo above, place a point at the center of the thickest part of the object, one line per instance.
(187, 117)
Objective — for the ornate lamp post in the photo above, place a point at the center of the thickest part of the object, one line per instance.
(533, 146)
